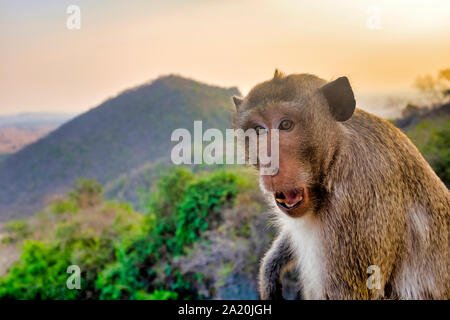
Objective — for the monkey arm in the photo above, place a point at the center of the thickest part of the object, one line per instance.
(277, 260)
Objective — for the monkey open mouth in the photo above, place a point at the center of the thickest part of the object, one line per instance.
(290, 199)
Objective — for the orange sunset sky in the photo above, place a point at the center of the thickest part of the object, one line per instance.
(44, 66)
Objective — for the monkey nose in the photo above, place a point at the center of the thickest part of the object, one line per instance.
(289, 199)
(292, 197)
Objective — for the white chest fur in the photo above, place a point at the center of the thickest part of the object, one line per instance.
(307, 248)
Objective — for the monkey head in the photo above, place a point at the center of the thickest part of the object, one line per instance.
(308, 113)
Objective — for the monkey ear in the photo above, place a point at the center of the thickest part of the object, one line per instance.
(341, 100)
(237, 101)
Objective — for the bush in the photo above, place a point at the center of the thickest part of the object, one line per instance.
(432, 138)
(129, 274)
(157, 295)
(60, 206)
(40, 274)
(200, 207)
(88, 241)
(188, 205)
(86, 193)
(122, 254)
(19, 228)
(437, 151)
(163, 202)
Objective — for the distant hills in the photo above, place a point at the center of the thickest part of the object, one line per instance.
(122, 135)
(31, 120)
(12, 139)
(439, 112)
(19, 130)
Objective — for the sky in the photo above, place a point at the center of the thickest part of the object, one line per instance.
(382, 46)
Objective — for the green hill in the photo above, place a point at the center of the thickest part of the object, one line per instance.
(429, 130)
(122, 134)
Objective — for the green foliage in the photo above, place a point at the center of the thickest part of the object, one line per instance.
(40, 274)
(224, 271)
(61, 206)
(184, 206)
(157, 295)
(19, 228)
(86, 240)
(163, 201)
(432, 138)
(121, 279)
(438, 152)
(200, 207)
(123, 254)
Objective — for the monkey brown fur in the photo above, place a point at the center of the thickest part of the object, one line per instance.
(367, 197)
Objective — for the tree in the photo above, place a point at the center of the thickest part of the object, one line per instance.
(87, 193)
(436, 90)
(410, 110)
(444, 75)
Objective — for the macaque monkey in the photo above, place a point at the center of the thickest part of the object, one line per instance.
(352, 196)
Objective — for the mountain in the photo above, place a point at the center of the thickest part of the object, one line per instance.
(119, 136)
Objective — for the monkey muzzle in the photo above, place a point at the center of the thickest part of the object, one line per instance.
(291, 199)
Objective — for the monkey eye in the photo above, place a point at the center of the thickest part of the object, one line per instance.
(285, 125)
(260, 130)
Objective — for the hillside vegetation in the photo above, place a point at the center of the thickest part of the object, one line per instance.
(429, 130)
(201, 237)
